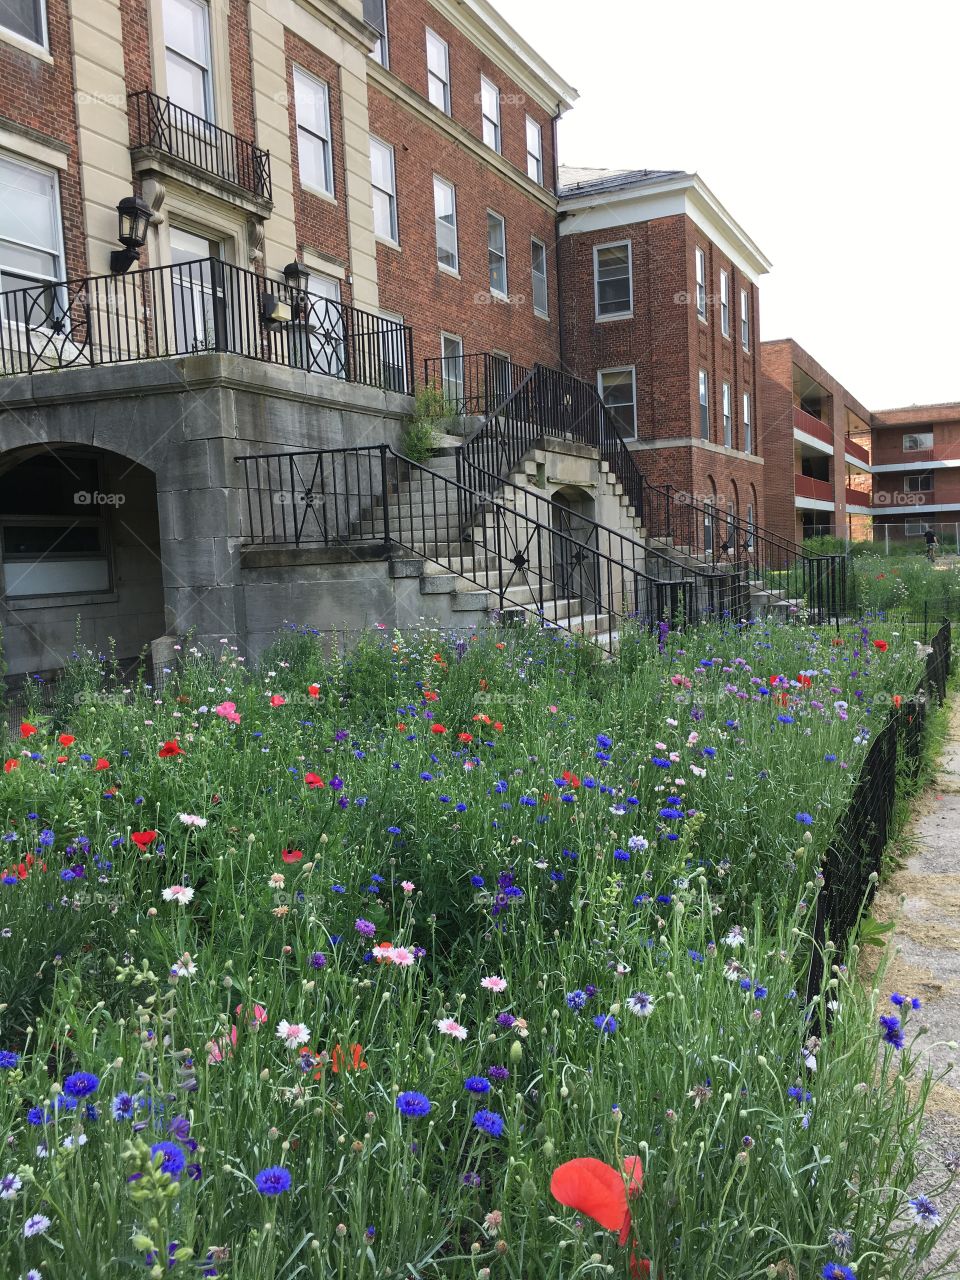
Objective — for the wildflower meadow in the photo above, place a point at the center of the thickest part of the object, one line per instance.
(455, 957)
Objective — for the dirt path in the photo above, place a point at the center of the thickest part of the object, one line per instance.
(924, 900)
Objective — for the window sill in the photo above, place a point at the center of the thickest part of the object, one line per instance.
(541, 315)
(620, 315)
(448, 271)
(388, 243)
(62, 601)
(703, 320)
(318, 192)
(26, 46)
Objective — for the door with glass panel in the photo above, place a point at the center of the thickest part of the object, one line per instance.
(198, 298)
(323, 337)
(34, 312)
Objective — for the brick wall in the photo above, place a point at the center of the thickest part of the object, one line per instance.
(321, 223)
(776, 443)
(40, 97)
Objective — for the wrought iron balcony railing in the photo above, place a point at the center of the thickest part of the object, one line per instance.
(475, 383)
(194, 307)
(162, 125)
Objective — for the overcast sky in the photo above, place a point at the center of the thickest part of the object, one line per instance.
(827, 129)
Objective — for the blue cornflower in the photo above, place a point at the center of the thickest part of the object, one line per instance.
(576, 1000)
(123, 1106)
(897, 999)
(477, 1084)
(660, 762)
(426, 777)
(829, 758)
(80, 1084)
(413, 1104)
(671, 813)
(621, 855)
(837, 1271)
(664, 899)
(892, 1031)
(785, 719)
(477, 881)
(805, 818)
(393, 831)
(745, 984)
(760, 992)
(173, 1158)
(915, 1003)
(8, 1059)
(606, 1023)
(603, 742)
(695, 956)
(273, 1181)
(556, 876)
(489, 1122)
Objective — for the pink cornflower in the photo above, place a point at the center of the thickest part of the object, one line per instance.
(177, 893)
(407, 886)
(293, 1034)
(191, 820)
(401, 956)
(494, 983)
(451, 1027)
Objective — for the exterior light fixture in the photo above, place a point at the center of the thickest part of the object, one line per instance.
(134, 218)
(297, 276)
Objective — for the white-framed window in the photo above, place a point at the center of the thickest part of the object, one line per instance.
(534, 151)
(26, 19)
(490, 111)
(312, 100)
(921, 482)
(703, 386)
(750, 526)
(747, 424)
(497, 253)
(725, 304)
(196, 290)
(318, 345)
(613, 279)
(708, 506)
(538, 274)
(917, 441)
(701, 271)
(745, 319)
(914, 528)
(375, 15)
(445, 216)
(451, 364)
(31, 239)
(727, 416)
(384, 181)
(438, 72)
(618, 392)
(186, 38)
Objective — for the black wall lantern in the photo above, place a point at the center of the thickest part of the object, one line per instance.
(297, 276)
(134, 215)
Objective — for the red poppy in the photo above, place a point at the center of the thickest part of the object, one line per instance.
(103, 763)
(313, 780)
(66, 739)
(143, 839)
(881, 645)
(313, 690)
(430, 696)
(171, 748)
(570, 778)
(897, 699)
(292, 855)
(804, 681)
(277, 700)
(27, 729)
(356, 1062)
(62, 759)
(11, 765)
(482, 718)
(437, 728)
(498, 726)
(598, 1190)
(401, 727)
(464, 737)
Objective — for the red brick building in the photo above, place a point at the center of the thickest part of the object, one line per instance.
(816, 438)
(661, 309)
(916, 473)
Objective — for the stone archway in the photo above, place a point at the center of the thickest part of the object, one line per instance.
(79, 555)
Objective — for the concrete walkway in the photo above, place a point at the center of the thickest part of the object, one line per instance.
(924, 900)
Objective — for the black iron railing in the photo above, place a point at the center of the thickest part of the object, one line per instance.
(854, 859)
(548, 402)
(161, 124)
(475, 383)
(783, 574)
(530, 555)
(194, 307)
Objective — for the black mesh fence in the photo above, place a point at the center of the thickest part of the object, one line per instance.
(856, 850)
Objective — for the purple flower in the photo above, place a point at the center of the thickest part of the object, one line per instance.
(365, 927)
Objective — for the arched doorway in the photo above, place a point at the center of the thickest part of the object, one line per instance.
(79, 555)
(575, 569)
